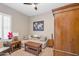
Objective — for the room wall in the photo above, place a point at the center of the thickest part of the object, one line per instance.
(24, 24)
(19, 20)
(48, 24)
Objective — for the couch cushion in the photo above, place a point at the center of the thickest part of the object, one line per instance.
(6, 44)
(43, 39)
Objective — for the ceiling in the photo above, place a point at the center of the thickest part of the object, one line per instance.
(29, 10)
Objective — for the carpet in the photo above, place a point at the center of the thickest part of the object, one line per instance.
(21, 52)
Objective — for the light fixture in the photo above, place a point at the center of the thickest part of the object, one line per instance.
(33, 4)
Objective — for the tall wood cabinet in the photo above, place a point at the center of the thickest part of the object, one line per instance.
(66, 32)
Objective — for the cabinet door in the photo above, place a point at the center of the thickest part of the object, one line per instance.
(67, 30)
(58, 42)
(63, 31)
(75, 32)
(71, 31)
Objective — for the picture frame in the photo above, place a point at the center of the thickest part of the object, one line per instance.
(38, 26)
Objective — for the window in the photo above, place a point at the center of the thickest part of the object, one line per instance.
(5, 25)
(0, 26)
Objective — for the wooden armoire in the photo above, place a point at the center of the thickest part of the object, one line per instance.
(66, 32)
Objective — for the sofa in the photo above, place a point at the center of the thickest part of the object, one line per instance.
(13, 44)
(38, 39)
(3, 49)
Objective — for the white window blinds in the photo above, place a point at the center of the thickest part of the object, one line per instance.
(5, 25)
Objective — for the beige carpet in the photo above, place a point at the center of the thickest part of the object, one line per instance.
(45, 52)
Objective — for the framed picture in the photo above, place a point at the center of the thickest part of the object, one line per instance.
(38, 26)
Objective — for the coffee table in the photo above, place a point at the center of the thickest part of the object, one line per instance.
(33, 47)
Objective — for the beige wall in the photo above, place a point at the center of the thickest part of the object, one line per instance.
(24, 24)
(19, 21)
(48, 24)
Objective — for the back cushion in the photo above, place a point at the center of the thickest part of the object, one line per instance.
(43, 38)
